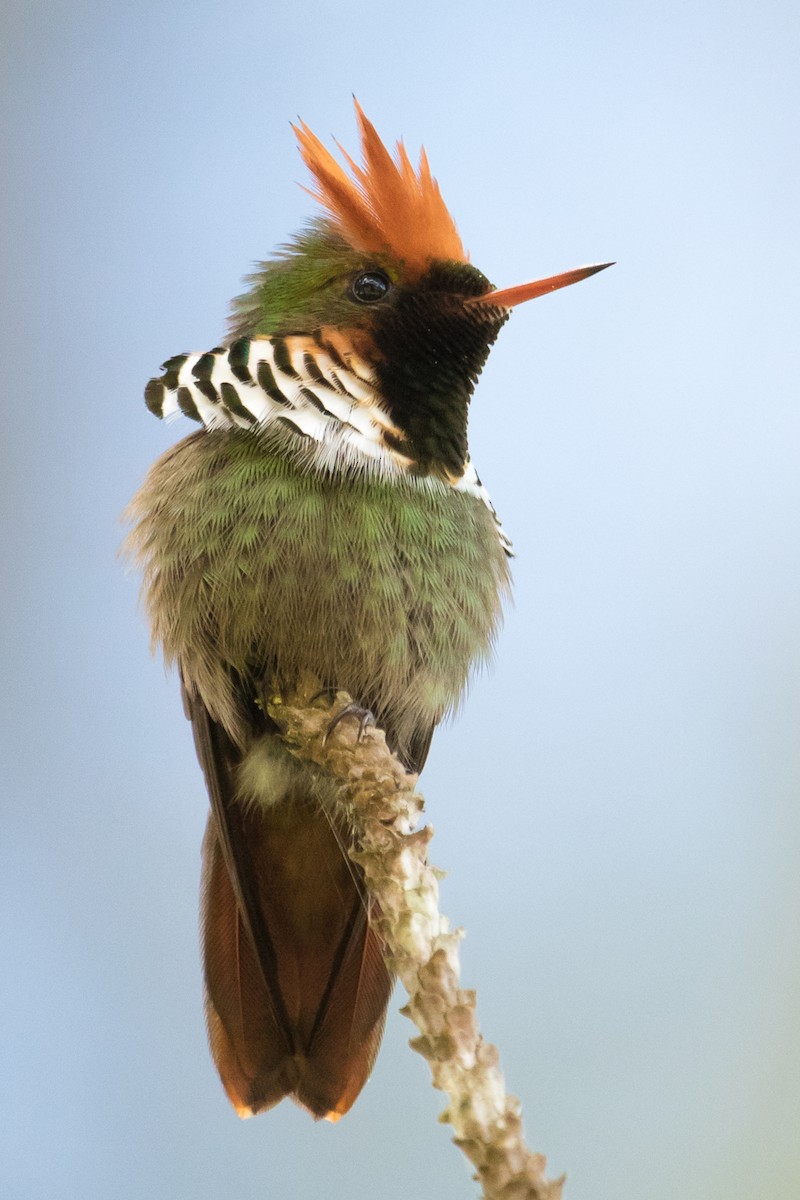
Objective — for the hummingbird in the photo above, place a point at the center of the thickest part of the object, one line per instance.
(326, 518)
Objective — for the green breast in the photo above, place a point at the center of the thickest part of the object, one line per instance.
(256, 564)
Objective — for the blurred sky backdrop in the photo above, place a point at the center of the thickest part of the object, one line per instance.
(617, 806)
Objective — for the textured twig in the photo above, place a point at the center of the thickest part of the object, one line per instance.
(384, 808)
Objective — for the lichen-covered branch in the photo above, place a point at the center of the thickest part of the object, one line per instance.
(384, 807)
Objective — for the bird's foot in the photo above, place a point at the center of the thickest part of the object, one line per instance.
(365, 718)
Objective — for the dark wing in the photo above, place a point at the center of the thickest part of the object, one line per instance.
(420, 745)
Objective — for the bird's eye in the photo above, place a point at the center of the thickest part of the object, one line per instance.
(371, 286)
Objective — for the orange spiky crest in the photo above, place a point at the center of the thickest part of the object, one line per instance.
(386, 206)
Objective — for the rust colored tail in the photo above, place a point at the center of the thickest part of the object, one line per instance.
(296, 984)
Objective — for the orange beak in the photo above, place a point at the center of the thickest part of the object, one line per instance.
(509, 297)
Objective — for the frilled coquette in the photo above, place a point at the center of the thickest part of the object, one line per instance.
(327, 519)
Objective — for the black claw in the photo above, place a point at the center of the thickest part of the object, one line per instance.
(328, 692)
(365, 718)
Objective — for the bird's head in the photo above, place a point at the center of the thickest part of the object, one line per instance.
(386, 270)
(386, 241)
(375, 299)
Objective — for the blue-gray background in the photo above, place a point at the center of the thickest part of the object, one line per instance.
(617, 806)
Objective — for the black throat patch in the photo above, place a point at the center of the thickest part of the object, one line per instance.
(432, 351)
